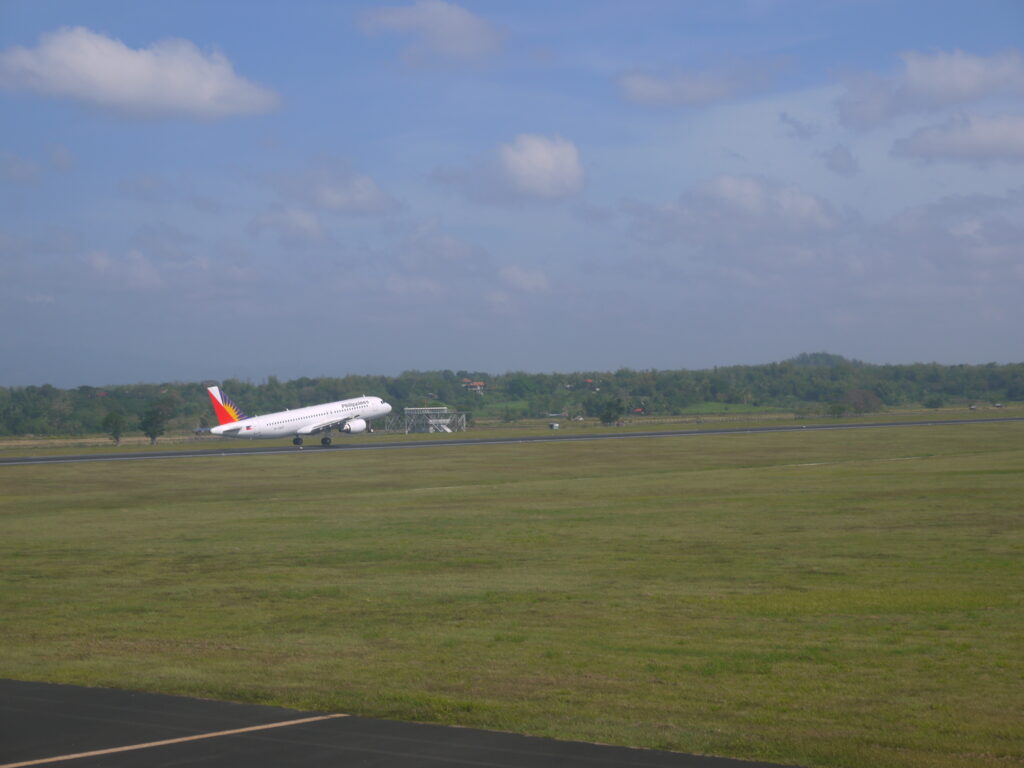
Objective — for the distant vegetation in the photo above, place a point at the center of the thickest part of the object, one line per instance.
(812, 383)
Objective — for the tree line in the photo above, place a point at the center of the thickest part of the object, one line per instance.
(817, 382)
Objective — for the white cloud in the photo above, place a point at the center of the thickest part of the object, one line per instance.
(735, 230)
(958, 77)
(166, 243)
(962, 240)
(929, 82)
(968, 139)
(135, 271)
(170, 78)
(331, 185)
(356, 194)
(415, 286)
(527, 281)
(529, 168)
(55, 241)
(499, 302)
(431, 264)
(141, 272)
(868, 100)
(688, 89)
(294, 226)
(543, 167)
(430, 250)
(759, 199)
(940, 264)
(441, 31)
(100, 261)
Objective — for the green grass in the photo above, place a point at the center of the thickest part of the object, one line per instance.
(815, 598)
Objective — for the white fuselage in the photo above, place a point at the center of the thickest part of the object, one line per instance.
(307, 421)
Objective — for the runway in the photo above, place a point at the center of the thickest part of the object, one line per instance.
(44, 724)
(359, 444)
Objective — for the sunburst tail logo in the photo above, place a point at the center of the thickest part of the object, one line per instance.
(227, 412)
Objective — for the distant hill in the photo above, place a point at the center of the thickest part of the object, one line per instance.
(821, 360)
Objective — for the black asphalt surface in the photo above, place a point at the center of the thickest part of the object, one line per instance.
(44, 724)
(358, 444)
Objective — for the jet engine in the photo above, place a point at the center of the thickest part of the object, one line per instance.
(354, 426)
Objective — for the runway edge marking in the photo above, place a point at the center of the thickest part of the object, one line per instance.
(166, 742)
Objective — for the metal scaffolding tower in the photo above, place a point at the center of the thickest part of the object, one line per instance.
(426, 420)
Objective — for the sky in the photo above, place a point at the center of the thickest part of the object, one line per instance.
(196, 190)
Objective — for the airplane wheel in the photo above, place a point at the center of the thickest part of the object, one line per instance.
(325, 442)
(297, 441)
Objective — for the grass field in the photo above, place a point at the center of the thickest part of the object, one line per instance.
(813, 598)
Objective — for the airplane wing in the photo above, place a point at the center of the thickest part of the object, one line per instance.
(321, 426)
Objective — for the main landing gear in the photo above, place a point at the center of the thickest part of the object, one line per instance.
(325, 442)
(297, 441)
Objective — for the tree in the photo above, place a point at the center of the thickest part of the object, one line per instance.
(863, 400)
(153, 423)
(612, 410)
(113, 425)
(837, 409)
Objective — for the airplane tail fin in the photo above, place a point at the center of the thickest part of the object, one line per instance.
(227, 412)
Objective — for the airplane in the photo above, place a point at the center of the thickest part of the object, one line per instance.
(351, 416)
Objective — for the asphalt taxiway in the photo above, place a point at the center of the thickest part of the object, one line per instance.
(358, 444)
(44, 724)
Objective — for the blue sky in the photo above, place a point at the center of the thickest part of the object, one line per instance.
(200, 190)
